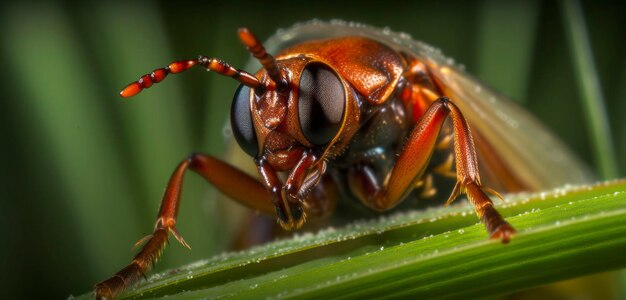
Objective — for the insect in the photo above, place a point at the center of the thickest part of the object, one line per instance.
(348, 107)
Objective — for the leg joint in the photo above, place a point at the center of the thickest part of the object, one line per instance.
(194, 156)
(444, 100)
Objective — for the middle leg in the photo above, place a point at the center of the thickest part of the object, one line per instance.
(413, 160)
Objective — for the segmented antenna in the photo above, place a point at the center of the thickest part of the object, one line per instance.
(211, 64)
(255, 47)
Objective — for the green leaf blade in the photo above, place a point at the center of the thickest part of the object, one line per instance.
(437, 253)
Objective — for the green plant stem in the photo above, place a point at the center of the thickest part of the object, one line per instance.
(589, 85)
(437, 253)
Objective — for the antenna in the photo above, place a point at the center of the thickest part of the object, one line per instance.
(255, 47)
(211, 64)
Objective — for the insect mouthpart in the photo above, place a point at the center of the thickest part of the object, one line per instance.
(290, 217)
(289, 194)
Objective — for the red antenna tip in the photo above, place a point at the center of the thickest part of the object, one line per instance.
(131, 90)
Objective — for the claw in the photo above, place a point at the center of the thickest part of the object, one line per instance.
(141, 241)
(102, 292)
(455, 193)
(504, 232)
(493, 192)
(179, 237)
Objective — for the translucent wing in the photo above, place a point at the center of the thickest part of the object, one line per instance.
(516, 151)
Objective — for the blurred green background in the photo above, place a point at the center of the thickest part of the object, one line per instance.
(82, 171)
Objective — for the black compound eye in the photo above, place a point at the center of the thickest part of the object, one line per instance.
(241, 121)
(321, 103)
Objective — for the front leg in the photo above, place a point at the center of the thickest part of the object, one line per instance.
(413, 160)
(230, 181)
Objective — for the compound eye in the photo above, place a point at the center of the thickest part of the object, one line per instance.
(241, 121)
(321, 103)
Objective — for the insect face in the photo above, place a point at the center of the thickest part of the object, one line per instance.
(288, 123)
(290, 130)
